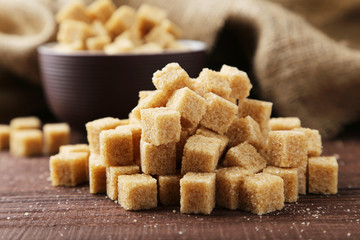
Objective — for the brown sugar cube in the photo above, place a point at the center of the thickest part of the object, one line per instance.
(215, 82)
(160, 125)
(229, 183)
(171, 28)
(197, 193)
(239, 82)
(97, 43)
(94, 128)
(313, 139)
(149, 16)
(184, 135)
(76, 10)
(112, 174)
(121, 20)
(290, 178)
(158, 159)
(208, 133)
(257, 197)
(136, 136)
(170, 78)
(245, 129)
(71, 31)
(155, 99)
(246, 156)
(323, 175)
(137, 192)
(133, 35)
(190, 105)
(116, 147)
(287, 148)
(4, 136)
(284, 123)
(119, 46)
(69, 169)
(143, 94)
(169, 189)
(25, 143)
(22, 123)
(97, 174)
(160, 36)
(201, 154)
(55, 135)
(260, 111)
(101, 10)
(219, 113)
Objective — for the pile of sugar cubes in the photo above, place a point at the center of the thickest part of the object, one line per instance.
(103, 27)
(199, 143)
(24, 138)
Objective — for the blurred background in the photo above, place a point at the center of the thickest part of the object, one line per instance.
(21, 90)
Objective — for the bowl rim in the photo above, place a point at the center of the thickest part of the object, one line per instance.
(193, 45)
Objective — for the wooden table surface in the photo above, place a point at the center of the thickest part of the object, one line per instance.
(30, 208)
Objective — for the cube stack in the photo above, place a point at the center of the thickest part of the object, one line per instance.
(201, 143)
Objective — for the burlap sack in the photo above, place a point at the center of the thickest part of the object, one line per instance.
(304, 73)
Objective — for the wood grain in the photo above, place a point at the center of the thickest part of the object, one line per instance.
(30, 208)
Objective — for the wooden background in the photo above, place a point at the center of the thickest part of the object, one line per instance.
(30, 208)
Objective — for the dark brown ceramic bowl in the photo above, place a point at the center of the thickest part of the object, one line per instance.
(84, 86)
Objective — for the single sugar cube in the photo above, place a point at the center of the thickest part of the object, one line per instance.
(184, 135)
(284, 123)
(219, 113)
(215, 82)
(25, 143)
(112, 174)
(160, 125)
(76, 10)
(22, 123)
(133, 35)
(245, 155)
(260, 111)
(257, 197)
(238, 80)
(71, 31)
(55, 135)
(323, 175)
(229, 183)
(122, 19)
(171, 28)
(137, 192)
(190, 105)
(149, 16)
(290, 178)
(170, 78)
(94, 128)
(116, 147)
(169, 189)
(101, 10)
(136, 136)
(99, 29)
(160, 36)
(97, 174)
(158, 159)
(201, 154)
(144, 93)
(245, 129)
(208, 133)
(97, 43)
(287, 148)
(4, 136)
(69, 169)
(313, 138)
(155, 99)
(197, 193)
